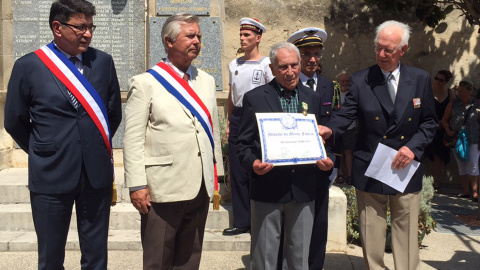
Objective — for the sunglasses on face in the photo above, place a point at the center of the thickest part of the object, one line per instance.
(438, 79)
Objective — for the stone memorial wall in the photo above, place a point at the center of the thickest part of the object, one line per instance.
(209, 59)
(120, 32)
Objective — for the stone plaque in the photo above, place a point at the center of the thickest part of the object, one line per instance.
(170, 7)
(120, 32)
(209, 59)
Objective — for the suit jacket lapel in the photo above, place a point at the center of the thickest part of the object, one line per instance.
(302, 97)
(87, 64)
(377, 82)
(62, 88)
(320, 87)
(404, 93)
(196, 88)
(272, 98)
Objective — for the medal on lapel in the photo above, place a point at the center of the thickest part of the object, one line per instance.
(416, 103)
(305, 108)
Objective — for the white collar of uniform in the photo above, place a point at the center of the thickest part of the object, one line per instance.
(304, 78)
(396, 73)
(178, 71)
(79, 56)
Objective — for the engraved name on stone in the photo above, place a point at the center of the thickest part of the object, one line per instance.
(170, 7)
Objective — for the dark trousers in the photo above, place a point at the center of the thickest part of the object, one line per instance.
(318, 244)
(238, 177)
(51, 217)
(172, 233)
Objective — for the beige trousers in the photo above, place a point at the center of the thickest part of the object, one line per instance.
(404, 209)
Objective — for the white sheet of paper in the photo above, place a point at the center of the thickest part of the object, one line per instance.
(381, 169)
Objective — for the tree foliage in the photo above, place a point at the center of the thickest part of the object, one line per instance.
(431, 12)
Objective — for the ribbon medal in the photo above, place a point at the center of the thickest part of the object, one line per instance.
(416, 103)
(305, 108)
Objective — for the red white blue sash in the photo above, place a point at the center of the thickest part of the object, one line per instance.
(180, 89)
(69, 75)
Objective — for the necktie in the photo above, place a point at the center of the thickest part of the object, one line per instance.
(310, 83)
(185, 76)
(74, 60)
(391, 89)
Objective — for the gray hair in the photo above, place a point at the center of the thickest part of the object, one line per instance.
(405, 28)
(282, 45)
(173, 26)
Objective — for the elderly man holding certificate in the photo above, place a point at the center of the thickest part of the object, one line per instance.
(280, 195)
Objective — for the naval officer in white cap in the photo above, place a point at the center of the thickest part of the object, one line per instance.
(309, 42)
(245, 73)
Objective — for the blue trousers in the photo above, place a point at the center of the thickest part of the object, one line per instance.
(238, 177)
(51, 217)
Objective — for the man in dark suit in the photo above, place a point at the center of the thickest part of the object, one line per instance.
(394, 106)
(69, 156)
(284, 195)
(309, 42)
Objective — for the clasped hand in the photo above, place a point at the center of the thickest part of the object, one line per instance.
(141, 200)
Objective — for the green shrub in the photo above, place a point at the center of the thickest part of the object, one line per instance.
(353, 221)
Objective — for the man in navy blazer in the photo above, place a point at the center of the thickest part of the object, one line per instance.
(67, 156)
(394, 106)
(283, 195)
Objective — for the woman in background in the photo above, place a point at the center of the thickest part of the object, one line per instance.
(438, 152)
(461, 108)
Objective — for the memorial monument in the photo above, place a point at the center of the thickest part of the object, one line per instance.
(122, 32)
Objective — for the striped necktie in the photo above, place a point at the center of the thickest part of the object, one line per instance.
(310, 83)
(391, 88)
(74, 60)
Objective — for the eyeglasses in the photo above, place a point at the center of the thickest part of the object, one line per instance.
(81, 28)
(387, 51)
(438, 79)
(309, 55)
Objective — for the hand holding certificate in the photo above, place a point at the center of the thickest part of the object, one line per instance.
(290, 138)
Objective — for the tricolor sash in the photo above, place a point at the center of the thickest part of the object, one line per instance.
(182, 91)
(79, 86)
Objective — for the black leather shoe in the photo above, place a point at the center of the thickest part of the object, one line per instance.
(235, 231)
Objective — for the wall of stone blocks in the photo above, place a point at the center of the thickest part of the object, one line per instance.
(351, 26)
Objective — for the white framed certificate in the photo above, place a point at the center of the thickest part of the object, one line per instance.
(289, 138)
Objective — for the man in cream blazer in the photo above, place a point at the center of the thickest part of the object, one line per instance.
(168, 156)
